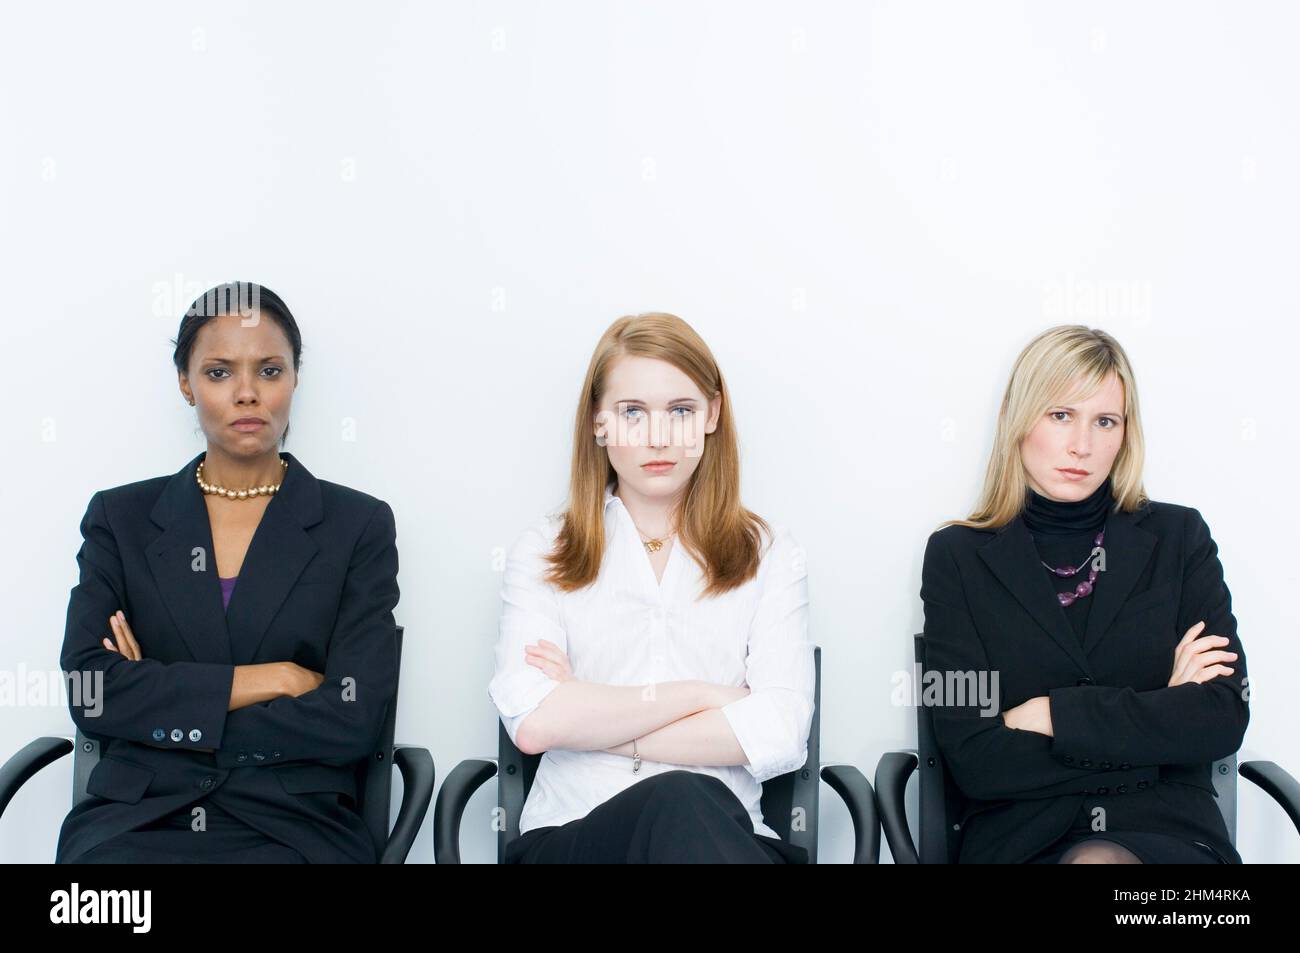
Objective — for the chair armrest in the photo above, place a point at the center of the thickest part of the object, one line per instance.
(855, 790)
(454, 794)
(892, 772)
(1274, 779)
(26, 762)
(416, 765)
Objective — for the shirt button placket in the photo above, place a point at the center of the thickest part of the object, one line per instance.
(659, 642)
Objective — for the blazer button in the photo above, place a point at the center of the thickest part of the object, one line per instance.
(1068, 759)
(242, 756)
(275, 754)
(177, 734)
(159, 734)
(206, 783)
(1103, 790)
(1086, 763)
(1105, 765)
(1124, 765)
(1142, 784)
(258, 756)
(1122, 789)
(1084, 681)
(195, 734)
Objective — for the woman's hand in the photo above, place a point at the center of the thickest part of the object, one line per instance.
(1197, 659)
(1032, 715)
(126, 645)
(297, 680)
(550, 658)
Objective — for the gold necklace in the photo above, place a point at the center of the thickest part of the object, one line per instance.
(212, 489)
(653, 545)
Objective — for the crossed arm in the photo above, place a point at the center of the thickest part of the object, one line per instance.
(1030, 750)
(677, 722)
(250, 684)
(762, 724)
(278, 705)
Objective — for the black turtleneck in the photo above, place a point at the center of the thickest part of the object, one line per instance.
(1063, 535)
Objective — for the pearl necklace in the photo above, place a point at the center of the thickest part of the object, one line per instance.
(252, 492)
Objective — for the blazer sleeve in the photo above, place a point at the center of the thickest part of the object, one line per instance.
(341, 719)
(112, 696)
(988, 760)
(529, 611)
(772, 722)
(1184, 724)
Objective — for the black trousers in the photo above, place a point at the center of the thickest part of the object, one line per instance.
(170, 840)
(678, 817)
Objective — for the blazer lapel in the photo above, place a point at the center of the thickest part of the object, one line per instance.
(1127, 549)
(279, 552)
(184, 566)
(1012, 556)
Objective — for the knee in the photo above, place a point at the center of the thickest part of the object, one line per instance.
(682, 782)
(1099, 852)
(684, 789)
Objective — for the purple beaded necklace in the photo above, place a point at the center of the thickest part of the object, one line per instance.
(1085, 588)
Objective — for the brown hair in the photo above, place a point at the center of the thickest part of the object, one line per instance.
(713, 526)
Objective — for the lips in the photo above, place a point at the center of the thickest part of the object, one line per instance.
(658, 466)
(1072, 471)
(249, 423)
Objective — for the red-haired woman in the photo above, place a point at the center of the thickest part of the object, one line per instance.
(653, 641)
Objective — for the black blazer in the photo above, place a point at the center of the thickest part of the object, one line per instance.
(1122, 738)
(317, 587)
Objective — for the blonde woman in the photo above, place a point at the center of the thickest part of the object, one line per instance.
(653, 639)
(1105, 619)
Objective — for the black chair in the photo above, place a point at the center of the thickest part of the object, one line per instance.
(941, 802)
(374, 779)
(782, 796)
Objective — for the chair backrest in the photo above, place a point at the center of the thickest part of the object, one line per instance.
(374, 774)
(1224, 776)
(789, 802)
(942, 803)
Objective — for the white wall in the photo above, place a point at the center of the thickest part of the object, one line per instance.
(866, 209)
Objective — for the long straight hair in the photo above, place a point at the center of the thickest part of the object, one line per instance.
(713, 526)
(1062, 362)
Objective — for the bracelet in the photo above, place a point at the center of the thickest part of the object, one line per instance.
(636, 758)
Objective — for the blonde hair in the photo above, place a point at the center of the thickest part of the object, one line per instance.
(713, 526)
(1065, 361)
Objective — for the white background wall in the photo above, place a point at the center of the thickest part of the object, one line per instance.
(866, 209)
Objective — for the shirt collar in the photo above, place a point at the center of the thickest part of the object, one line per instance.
(609, 493)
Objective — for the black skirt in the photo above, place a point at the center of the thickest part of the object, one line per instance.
(1150, 847)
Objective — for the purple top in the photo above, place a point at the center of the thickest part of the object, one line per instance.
(227, 587)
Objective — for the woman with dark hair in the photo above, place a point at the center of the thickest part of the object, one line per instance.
(1097, 622)
(654, 636)
(231, 641)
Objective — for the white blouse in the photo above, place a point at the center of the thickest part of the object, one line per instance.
(628, 628)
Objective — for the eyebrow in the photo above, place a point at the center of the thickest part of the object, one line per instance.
(231, 360)
(675, 400)
(1104, 413)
